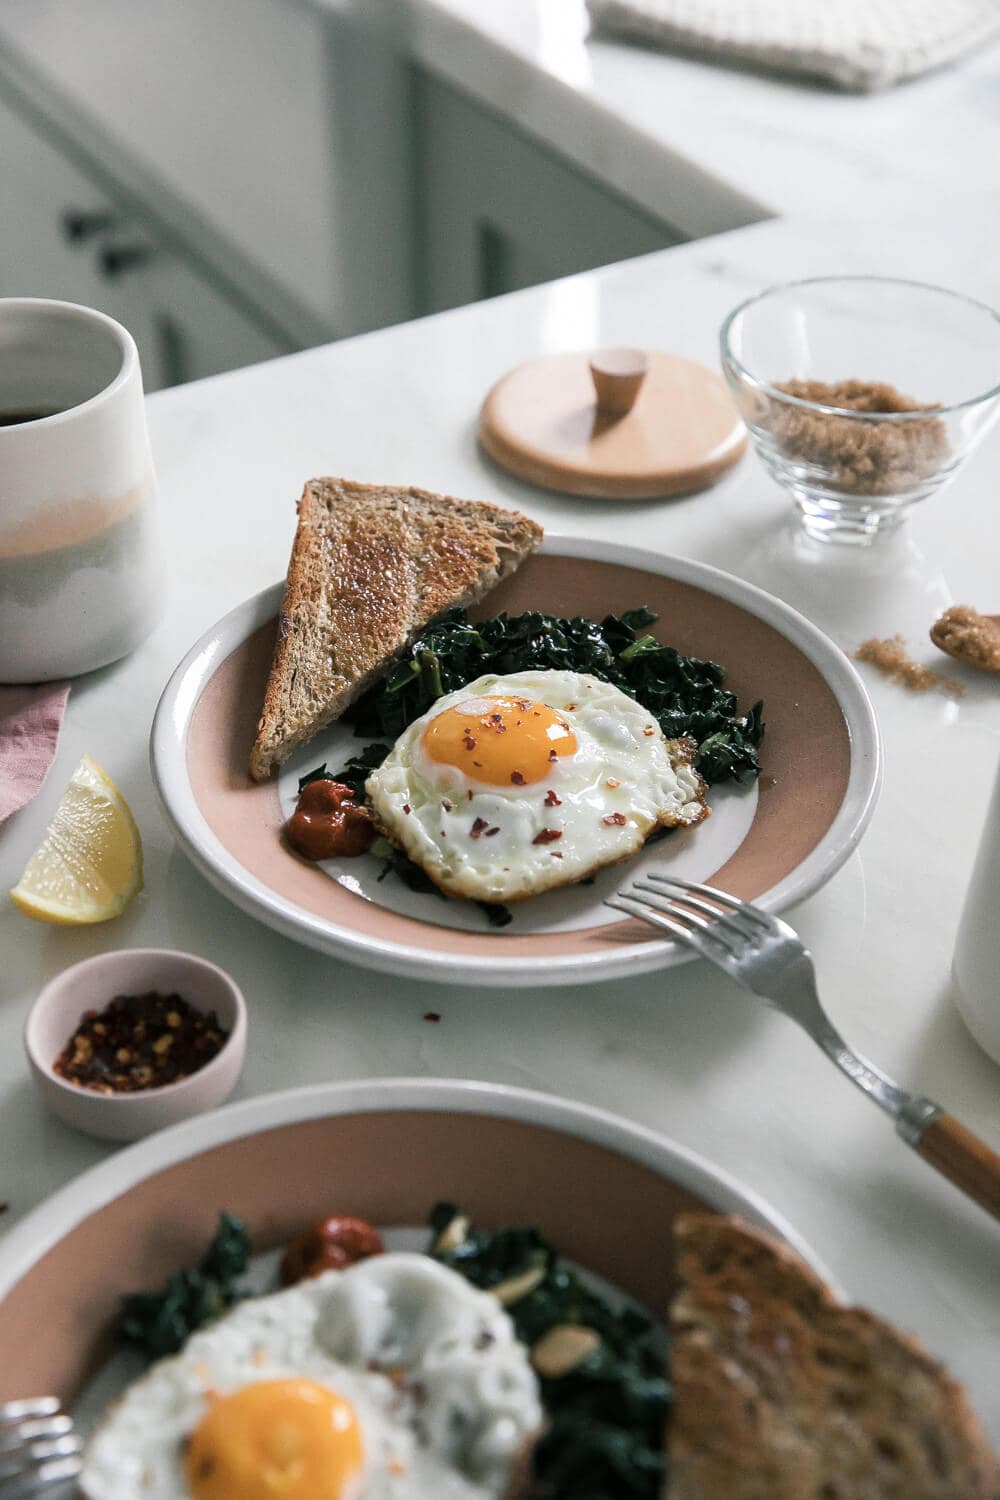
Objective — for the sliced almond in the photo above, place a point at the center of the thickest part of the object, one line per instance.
(563, 1348)
(454, 1233)
(516, 1287)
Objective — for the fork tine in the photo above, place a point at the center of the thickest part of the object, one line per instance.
(731, 939)
(32, 1406)
(59, 1471)
(722, 898)
(17, 1435)
(722, 923)
(729, 924)
(684, 925)
(22, 1462)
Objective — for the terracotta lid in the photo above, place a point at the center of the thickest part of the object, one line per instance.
(615, 424)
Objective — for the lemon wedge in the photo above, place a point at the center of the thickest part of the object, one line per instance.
(89, 864)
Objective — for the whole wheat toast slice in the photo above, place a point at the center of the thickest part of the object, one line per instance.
(371, 565)
(783, 1393)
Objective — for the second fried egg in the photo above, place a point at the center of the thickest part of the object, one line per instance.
(516, 784)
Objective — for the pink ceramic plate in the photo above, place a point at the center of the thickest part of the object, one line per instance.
(775, 842)
(606, 1193)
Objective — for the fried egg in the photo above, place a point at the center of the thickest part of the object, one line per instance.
(519, 783)
(395, 1378)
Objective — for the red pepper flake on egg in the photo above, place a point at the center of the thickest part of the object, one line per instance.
(615, 820)
(517, 777)
(551, 800)
(548, 835)
(478, 828)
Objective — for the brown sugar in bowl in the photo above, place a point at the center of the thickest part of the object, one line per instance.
(89, 986)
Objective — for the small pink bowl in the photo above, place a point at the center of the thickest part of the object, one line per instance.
(90, 985)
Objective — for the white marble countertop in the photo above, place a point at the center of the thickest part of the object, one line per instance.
(709, 147)
(685, 1054)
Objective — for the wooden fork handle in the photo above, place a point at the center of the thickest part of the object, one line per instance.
(963, 1158)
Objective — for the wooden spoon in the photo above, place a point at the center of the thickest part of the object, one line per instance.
(969, 637)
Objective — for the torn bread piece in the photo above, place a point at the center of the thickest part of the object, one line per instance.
(783, 1393)
(371, 565)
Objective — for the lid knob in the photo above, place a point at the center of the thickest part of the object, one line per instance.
(617, 375)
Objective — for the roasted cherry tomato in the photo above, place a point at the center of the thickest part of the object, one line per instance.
(331, 1244)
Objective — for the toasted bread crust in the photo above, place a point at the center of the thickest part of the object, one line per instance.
(371, 565)
(783, 1393)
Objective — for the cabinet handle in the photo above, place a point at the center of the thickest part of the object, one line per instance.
(114, 260)
(82, 224)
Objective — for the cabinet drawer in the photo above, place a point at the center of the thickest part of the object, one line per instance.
(64, 234)
(499, 211)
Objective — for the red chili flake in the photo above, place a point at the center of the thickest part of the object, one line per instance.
(469, 794)
(547, 836)
(615, 820)
(139, 1042)
(517, 777)
(551, 800)
(612, 782)
(524, 704)
(431, 1015)
(478, 828)
(553, 755)
(4, 1207)
(468, 741)
(406, 807)
(478, 765)
(555, 854)
(570, 709)
(491, 831)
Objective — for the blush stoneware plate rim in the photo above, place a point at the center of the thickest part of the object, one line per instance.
(29, 1241)
(168, 760)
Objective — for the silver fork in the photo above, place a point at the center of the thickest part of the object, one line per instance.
(767, 956)
(38, 1447)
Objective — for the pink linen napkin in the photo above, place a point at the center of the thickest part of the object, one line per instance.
(30, 720)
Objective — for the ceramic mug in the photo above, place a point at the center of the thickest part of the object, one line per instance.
(80, 561)
(976, 964)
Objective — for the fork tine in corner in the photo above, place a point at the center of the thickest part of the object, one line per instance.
(39, 1448)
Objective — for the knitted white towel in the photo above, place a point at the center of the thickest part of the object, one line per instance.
(856, 44)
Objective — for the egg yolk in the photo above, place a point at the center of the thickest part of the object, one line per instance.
(500, 741)
(292, 1439)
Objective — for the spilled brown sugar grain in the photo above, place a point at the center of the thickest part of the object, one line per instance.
(860, 458)
(966, 634)
(893, 660)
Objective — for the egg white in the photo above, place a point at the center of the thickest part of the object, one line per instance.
(624, 780)
(451, 1428)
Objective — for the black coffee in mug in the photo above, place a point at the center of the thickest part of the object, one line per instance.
(34, 414)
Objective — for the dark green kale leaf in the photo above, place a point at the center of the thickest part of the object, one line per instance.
(159, 1322)
(354, 774)
(685, 694)
(608, 1416)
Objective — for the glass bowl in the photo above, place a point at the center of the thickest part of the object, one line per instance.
(862, 394)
